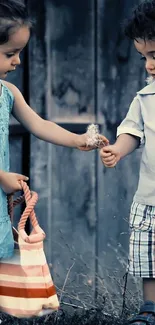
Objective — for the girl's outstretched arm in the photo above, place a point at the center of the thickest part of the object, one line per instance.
(44, 129)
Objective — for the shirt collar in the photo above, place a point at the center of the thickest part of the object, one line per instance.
(149, 89)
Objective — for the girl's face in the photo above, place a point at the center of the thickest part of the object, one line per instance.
(147, 51)
(10, 51)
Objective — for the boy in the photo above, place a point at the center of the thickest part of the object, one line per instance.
(138, 128)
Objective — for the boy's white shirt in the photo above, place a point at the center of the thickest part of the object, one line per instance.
(140, 121)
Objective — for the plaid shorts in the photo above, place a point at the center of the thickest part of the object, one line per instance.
(142, 241)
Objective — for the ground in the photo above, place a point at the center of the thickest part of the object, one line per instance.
(89, 317)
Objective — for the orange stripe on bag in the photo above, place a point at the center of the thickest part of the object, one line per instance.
(30, 293)
(20, 294)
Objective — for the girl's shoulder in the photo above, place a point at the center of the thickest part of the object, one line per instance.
(7, 85)
(11, 88)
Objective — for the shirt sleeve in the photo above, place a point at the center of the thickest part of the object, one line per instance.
(133, 123)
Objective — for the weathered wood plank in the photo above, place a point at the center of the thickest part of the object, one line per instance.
(70, 98)
(65, 178)
(71, 59)
(39, 156)
(120, 75)
(74, 222)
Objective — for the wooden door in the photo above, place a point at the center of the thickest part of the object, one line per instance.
(81, 70)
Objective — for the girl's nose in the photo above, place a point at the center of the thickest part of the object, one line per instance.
(16, 60)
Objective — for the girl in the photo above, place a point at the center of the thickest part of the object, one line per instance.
(15, 27)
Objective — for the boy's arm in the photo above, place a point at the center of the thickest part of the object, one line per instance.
(130, 134)
(126, 143)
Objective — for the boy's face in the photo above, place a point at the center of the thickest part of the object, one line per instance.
(147, 52)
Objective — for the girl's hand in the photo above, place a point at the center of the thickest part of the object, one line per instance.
(9, 182)
(110, 156)
(83, 140)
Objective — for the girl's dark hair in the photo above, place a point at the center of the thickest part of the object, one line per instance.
(13, 14)
(142, 22)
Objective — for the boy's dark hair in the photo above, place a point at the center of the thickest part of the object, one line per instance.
(142, 22)
(13, 14)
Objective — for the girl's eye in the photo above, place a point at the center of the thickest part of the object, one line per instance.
(9, 55)
(143, 58)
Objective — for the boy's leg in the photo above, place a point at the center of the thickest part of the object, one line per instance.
(147, 312)
(141, 258)
(149, 289)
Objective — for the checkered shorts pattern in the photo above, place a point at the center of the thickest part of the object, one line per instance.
(142, 241)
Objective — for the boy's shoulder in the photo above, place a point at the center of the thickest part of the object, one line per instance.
(147, 90)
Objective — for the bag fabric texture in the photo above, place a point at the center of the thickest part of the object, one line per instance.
(26, 285)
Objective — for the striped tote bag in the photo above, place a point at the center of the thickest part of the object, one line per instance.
(26, 286)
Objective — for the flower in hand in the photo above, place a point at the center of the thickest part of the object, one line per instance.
(92, 139)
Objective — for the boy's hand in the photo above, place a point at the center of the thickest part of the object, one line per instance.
(9, 182)
(110, 156)
(83, 139)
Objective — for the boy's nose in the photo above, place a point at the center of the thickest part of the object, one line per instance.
(149, 65)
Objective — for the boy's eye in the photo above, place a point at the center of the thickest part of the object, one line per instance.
(143, 58)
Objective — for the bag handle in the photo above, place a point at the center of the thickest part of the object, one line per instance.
(12, 203)
(31, 199)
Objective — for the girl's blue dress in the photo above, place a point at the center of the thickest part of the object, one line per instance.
(6, 237)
